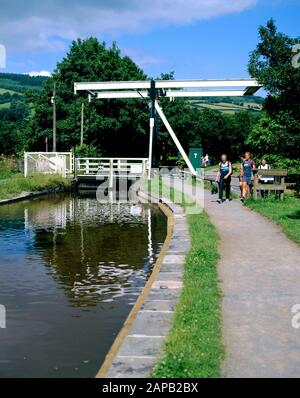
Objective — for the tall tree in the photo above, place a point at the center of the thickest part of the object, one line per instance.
(118, 127)
(278, 133)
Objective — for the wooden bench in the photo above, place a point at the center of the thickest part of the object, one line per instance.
(278, 185)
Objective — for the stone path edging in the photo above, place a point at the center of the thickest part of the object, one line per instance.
(23, 196)
(138, 347)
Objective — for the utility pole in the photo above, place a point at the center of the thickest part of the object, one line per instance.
(54, 118)
(82, 124)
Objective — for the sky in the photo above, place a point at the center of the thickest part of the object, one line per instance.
(197, 39)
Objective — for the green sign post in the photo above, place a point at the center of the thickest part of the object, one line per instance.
(195, 157)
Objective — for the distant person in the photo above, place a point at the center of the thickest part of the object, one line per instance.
(224, 178)
(206, 161)
(264, 180)
(247, 166)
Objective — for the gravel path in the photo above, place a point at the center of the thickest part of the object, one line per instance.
(259, 270)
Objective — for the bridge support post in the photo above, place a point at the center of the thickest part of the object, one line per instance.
(25, 165)
(111, 174)
(152, 124)
(152, 93)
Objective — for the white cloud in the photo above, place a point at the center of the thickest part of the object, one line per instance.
(142, 59)
(41, 73)
(37, 25)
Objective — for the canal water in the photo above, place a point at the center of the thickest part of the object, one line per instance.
(70, 271)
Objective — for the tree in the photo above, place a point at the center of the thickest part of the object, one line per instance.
(271, 64)
(117, 127)
(8, 141)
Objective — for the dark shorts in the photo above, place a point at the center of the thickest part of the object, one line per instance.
(248, 180)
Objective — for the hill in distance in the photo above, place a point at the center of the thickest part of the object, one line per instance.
(230, 105)
(13, 86)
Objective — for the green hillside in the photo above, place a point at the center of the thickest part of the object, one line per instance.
(13, 86)
(230, 105)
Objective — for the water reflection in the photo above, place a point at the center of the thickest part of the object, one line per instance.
(70, 266)
(96, 252)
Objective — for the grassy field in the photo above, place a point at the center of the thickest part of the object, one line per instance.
(12, 187)
(230, 105)
(194, 347)
(226, 108)
(285, 213)
(14, 83)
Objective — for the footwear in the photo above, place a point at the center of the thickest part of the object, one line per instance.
(242, 199)
(219, 201)
(227, 200)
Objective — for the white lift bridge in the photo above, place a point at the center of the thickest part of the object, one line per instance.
(153, 90)
(146, 90)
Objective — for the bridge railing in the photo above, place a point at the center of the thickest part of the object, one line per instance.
(105, 167)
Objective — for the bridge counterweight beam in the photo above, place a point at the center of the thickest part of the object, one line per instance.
(175, 139)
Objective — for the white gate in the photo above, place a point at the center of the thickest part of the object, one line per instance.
(48, 163)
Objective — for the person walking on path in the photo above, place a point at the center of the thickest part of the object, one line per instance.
(247, 167)
(224, 178)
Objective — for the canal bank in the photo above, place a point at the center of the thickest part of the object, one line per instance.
(138, 346)
(16, 189)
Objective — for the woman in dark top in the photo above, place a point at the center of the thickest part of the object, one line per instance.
(224, 178)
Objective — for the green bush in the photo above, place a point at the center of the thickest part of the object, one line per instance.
(87, 151)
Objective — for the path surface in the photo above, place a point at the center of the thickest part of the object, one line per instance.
(259, 269)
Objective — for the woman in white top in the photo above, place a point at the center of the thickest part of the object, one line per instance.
(264, 180)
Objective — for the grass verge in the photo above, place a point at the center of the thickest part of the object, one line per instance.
(13, 187)
(194, 344)
(285, 213)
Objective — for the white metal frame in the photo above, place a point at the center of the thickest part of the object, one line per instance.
(58, 167)
(170, 89)
(165, 84)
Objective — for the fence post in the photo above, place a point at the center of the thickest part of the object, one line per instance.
(76, 160)
(111, 173)
(64, 166)
(25, 164)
